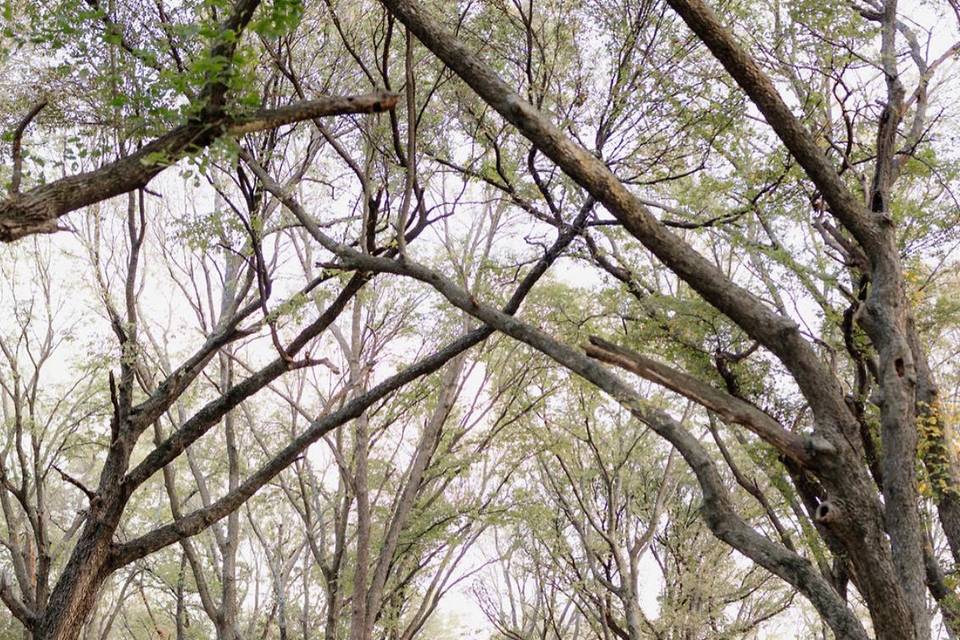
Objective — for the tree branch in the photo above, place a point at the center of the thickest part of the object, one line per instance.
(17, 144)
(19, 610)
(802, 450)
(777, 333)
(747, 73)
(79, 485)
(210, 414)
(197, 521)
(37, 210)
(717, 509)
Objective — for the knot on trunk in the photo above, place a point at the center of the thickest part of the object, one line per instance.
(826, 512)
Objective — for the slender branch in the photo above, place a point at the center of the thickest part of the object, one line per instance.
(116, 30)
(79, 485)
(17, 144)
(19, 610)
(210, 414)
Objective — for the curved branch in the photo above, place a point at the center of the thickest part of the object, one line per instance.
(17, 144)
(19, 610)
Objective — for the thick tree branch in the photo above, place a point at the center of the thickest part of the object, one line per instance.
(266, 119)
(777, 333)
(802, 450)
(891, 600)
(747, 73)
(215, 86)
(37, 210)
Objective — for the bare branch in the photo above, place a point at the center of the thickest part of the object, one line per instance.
(210, 414)
(199, 520)
(17, 144)
(79, 485)
(19, 610)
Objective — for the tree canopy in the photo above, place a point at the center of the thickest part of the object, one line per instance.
(504, 319)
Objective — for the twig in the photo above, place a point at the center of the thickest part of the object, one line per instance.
(79, 485)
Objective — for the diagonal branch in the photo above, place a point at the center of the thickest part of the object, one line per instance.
(215, 87)
(731, 408)
(167, 391)
(750, 77)
(75, 482)
(204, 419)
(717, 509)
(778, 333)
(19, 610)
(195, 522)
(37, 210)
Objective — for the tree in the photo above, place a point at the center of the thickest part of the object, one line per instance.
(762, 233)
